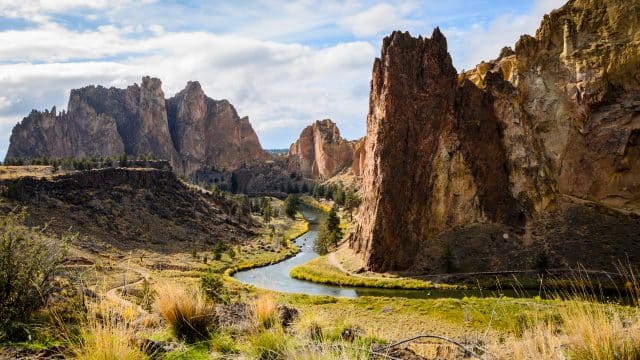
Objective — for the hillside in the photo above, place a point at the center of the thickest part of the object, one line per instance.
(127, 208)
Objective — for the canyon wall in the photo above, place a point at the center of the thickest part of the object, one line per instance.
(534, 154)
(190, 129)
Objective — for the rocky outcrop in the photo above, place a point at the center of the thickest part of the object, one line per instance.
(210, 132)
(359, 157)
(533, 154)
(320, 152)
(82, 133)
(189, 129)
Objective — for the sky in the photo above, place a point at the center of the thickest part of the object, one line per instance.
(282, 63)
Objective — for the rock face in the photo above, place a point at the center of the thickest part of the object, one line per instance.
(359, 156)
(320, 152)
(533, 154)
(189, 129)
(210, 132)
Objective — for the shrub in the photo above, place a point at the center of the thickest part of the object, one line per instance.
(212, 287)
(265, 311)
(147, 295)
(29, 262)
(186, 311)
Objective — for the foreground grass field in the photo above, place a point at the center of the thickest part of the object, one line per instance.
(141, 305)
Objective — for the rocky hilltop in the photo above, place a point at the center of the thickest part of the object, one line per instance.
(190, 129)
(535, 155)
(320, 152)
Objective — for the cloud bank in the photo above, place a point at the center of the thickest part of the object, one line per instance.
(284, 64)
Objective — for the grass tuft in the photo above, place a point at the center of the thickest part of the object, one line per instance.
(187, 311)
(107, 339)
(265, 311)
(271, 344)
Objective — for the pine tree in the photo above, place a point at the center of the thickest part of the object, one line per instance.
(267, 212)
(290, 206)
(351, 201)
(329, 233)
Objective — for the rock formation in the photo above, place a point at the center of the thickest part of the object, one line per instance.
(359, 157)
(189, 129)
(210, 132)
(533, 154)
(320, 152)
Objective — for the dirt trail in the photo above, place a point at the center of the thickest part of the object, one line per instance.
(113, 294)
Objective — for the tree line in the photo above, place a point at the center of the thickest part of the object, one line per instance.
(81, 164)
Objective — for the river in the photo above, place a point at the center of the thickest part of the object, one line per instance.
(276, 276)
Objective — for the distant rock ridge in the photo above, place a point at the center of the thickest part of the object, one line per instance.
(320, 152)
(190, 129)
(533, 155)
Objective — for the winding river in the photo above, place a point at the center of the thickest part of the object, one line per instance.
(276, 276)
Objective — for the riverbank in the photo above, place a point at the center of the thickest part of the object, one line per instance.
(321, 271)
(297, 228)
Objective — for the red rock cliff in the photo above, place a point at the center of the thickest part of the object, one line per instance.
(534, 152)
(190, 129)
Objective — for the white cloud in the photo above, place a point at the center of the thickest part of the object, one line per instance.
(5, 102)
(263, 62)
(156, 29)
(282, 87)
(484, 42)
(376, 20)
(40, 9)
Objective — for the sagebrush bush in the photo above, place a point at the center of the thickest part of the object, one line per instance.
(213, 288)
(187, 311)
(29, 262)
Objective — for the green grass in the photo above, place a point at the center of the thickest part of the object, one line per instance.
(397, 318)
(224, 344)
(196, 352)
(272, 344)
(320, 271)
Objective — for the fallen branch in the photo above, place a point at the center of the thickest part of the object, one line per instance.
(428, 336)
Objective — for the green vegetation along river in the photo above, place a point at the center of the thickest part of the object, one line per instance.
(276, 276)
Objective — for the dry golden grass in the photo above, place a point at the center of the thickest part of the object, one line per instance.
(106, 337)
(187, 311)
(265, 310)
(584, 330)
(14, 172)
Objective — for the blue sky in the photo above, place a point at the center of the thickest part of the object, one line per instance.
(282, 63)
